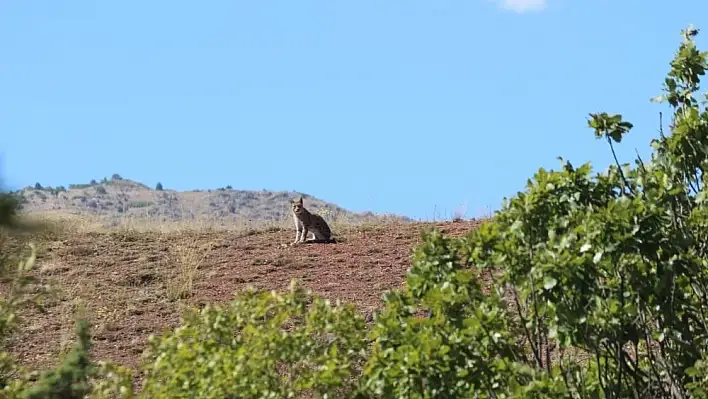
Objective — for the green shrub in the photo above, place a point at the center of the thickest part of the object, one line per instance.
(264, 345)
(139, 204)
(9, 205)
(78, 186)
(613, 266)
(465, 344)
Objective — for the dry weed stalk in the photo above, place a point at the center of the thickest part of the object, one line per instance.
(188, 259)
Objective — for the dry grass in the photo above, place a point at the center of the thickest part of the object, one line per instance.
(132, 205)
(59, 223)
(187, 259)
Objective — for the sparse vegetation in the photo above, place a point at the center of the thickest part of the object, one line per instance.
(582, 286)
(187, 261)
(78, 186)
(158, 186)
(139, 204)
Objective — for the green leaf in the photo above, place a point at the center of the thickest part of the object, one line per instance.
(597, 257)
(549, 282)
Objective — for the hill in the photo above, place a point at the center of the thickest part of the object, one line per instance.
(131, 284)
(118, 200)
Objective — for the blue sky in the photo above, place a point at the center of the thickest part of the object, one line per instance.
(412, 107)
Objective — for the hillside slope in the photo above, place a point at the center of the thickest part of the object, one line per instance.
(118, 199)
(130, 284)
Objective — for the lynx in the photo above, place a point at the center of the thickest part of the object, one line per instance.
(305, 222)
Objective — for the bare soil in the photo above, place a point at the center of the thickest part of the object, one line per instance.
(124, 282)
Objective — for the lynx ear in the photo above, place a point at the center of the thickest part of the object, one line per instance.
(299, 201)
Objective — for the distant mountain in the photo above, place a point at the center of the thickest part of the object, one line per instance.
(118, 198)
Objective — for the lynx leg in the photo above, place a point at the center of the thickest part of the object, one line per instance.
(297, 234)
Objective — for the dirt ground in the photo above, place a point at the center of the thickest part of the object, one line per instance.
(130, 285)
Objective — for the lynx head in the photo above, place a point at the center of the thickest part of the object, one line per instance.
(297, 206)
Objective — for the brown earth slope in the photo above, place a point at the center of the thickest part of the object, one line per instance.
(132, 284)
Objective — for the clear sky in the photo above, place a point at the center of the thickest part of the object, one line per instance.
(416, 107)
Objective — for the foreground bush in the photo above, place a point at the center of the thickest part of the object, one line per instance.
(599, 290)
(264, 345)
